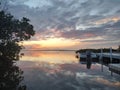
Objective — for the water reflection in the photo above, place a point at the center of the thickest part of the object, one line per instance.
(60, 57)
(67, 77)
(62, 71)
(10, 76)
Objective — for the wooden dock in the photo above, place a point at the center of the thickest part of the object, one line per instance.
(114, 68)
(108, 55)
(106, 58)
(109, 58)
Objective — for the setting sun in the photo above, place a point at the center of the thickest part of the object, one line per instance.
(51, 43)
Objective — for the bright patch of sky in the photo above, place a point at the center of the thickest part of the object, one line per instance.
(37, 3)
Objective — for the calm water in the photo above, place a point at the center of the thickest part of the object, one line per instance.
(60, 70)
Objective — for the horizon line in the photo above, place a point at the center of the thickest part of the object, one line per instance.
(50, 50)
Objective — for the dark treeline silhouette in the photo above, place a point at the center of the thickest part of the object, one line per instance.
(118, 49)
(12, 32)
(98, 50)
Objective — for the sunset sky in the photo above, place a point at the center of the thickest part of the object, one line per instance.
(70, 24)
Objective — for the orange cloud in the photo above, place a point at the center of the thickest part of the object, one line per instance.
(106, 20)
(89, 35)
(33, 46)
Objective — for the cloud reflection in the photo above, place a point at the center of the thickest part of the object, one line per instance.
(71, 76)
(107, 82)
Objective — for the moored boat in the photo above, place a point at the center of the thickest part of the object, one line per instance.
(83, 56)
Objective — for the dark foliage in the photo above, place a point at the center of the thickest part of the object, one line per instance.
(10, 75)
(12, 32)
(118, 49)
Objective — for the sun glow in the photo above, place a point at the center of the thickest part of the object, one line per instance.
(51, 43)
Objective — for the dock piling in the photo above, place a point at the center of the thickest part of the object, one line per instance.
(101, 59)
(111, 55)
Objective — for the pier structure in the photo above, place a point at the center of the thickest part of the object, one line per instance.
(111, 59)
(108, 58)
(114, 68)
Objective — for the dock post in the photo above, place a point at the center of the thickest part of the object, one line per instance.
(111, 55)
(111, 73)
(101, 59)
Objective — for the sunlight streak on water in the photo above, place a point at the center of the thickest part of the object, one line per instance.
(60, 57)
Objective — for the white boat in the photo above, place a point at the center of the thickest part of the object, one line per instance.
(83, 55)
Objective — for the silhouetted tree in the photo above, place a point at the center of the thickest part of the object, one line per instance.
(10, 76)
(12, 32)
(119, 48)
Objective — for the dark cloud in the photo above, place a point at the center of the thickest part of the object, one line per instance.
(110, 32)
(73, 19)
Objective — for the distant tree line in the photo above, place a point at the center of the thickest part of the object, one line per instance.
(99, 50)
